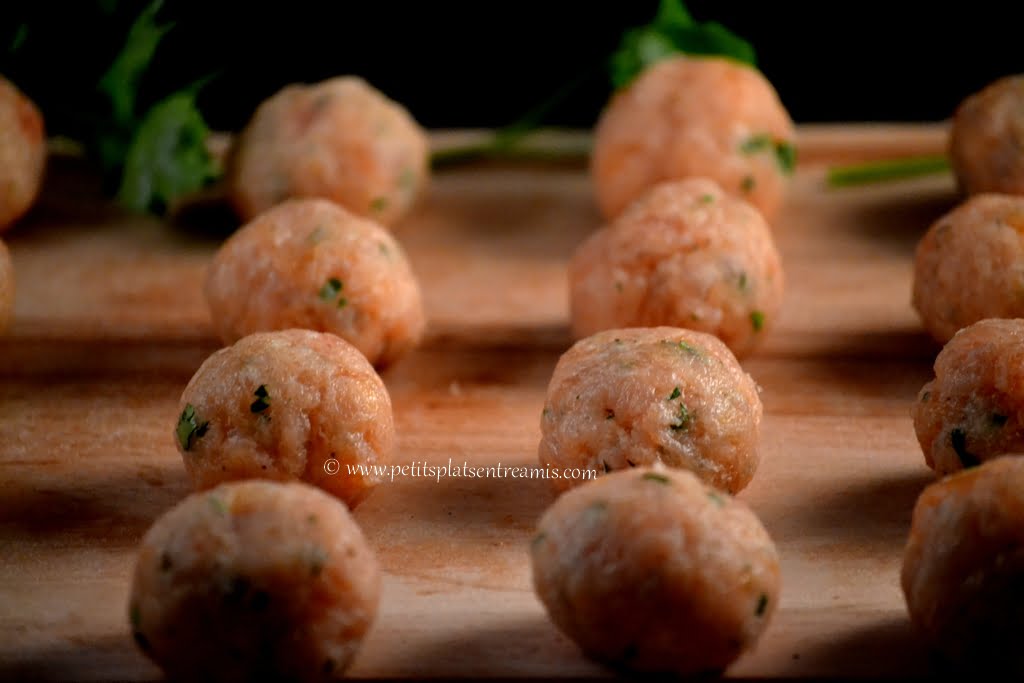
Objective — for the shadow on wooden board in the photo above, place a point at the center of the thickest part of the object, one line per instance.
(899, 221)
(111, 657)
(869, 518)
(888, 645)
(526, 646)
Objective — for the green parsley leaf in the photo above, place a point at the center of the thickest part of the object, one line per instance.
(219, 506)
(748, 183)
(689, 348)
(331, 289)
(958, 439)
(167, 156)
(317, 235)
(20, 36)
(757, 320)
(262, 401)
(378, 204)
(785, 155)
(784, 151)
(756, 143)
(654, 476)
(121, 81)
(166, 563)
(683, 419)
(189, 428)
(407, 179)
(152, 157)
(142, 641)
(762, 605)
(672, 32)
(317, 560)
(676, 393)
(716, 498)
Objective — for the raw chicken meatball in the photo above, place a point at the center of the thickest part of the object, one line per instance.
(22, 153)
(974, 408)
(986, 143)
(341, 140)
(6, 287)
(684, 254)
(254, 580)
(287, 405)
(970, 265)
(309, 263)
(963, 570)
(624, 398)
(694, 116)
(654, 571)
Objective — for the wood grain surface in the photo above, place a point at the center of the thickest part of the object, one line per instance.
(110, 324)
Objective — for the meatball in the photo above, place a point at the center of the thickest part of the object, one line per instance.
(986, 142)
(341, 140)
(287, 405)
(652, 570)
(974, 408)
(970, 265)
(254, 580)
(963, 570)
(6, 287)
(686, 255)
(624, 398)
(22, 153)
(309, 263)
(694, 116)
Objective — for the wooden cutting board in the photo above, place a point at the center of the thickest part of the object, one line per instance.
(111, 324)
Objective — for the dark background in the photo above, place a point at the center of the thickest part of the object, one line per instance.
(485, 63)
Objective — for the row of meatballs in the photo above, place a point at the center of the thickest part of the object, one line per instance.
(961, 568)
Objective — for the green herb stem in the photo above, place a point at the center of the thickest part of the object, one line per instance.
(672, 32)
(886, 171)
(498, 148)
(507, 142)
